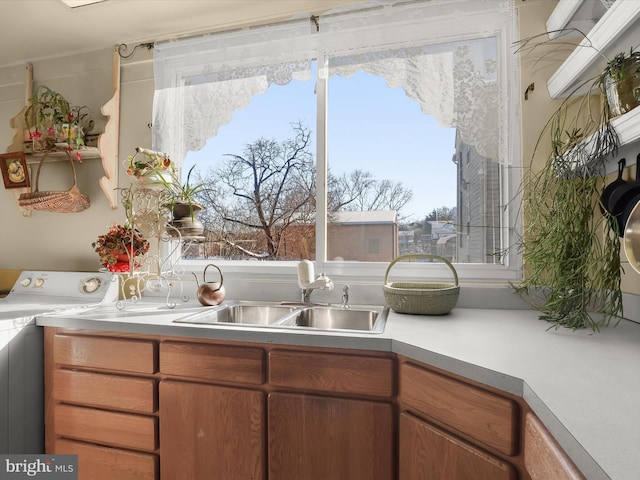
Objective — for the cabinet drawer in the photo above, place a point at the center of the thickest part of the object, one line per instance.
(102, 463)
(108, 391)
(221, 363)
(484, 416)
(544, 459)
(328, 372)
(135, 356)
(119, 429)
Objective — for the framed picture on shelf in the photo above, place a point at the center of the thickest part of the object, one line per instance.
(14, 170)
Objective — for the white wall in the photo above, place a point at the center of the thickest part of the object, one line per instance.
(56, 241)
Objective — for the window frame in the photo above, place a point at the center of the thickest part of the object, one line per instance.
(351, 271)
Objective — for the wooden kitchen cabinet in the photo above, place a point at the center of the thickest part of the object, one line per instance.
(490, 419)
(332, 416)
(211, 429)
(211, 432)
(427, 452)
(101, 404)
(217, 428)
(449, 428)
(165, 408)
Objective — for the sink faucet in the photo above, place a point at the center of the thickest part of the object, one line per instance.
(308, 283)
(322, 282)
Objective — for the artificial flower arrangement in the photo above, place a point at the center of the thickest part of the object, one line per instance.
(50, 119)
(148, 163)
(119, 246)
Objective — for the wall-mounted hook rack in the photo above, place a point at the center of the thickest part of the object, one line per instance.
(122, 48)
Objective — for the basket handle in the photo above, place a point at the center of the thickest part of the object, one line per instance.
(44, 157)
(422, 255)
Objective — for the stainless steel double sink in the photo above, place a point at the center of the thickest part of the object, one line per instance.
(293, 316)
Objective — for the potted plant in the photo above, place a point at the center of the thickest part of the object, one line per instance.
(119, 248)
(183, 195)
(621, 83)
(50, 119)
(570, 250)
(183, 203)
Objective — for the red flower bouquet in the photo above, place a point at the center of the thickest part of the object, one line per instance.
(119, 247)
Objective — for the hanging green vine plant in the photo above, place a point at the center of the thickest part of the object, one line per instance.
(570, 252)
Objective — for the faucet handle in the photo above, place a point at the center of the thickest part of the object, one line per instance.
(345, 296)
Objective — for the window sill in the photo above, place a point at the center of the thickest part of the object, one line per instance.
(359, 272)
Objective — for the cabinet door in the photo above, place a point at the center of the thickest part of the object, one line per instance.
(428, 453)
(211, 432)
(312, 438)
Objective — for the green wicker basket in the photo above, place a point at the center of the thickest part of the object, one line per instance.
(421, 298)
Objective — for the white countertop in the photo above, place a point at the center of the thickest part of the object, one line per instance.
(585, 387)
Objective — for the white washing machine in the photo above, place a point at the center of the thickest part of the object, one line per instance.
(21, 347)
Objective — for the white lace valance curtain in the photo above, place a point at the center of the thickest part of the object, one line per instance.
(455, 83)
(201, 81)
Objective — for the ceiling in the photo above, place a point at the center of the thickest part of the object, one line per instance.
(37, 29)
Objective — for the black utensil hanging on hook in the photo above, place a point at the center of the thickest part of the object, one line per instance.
(605, 197)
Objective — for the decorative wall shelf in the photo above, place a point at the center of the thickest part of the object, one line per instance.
(628, 126)
(108, 142)
(107, 148)
(609, 32)
(615, 32)
(87, 153)
(579, 14)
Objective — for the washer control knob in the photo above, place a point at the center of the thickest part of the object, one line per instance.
(91, 285)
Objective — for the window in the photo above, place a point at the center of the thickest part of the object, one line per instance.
(345, 142)
(374, 245)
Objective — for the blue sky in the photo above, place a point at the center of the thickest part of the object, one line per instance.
(371, 127)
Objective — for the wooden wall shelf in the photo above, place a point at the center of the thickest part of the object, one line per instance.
(88, 153)
(108, 145)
